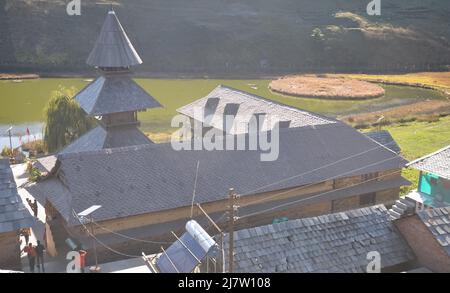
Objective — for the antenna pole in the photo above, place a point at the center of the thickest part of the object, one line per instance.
(195, 187)
(232, 197)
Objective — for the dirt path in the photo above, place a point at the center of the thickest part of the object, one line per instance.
(424, 108)
(9, 76)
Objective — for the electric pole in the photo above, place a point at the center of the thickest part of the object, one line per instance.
(10, 142)
(231, 210)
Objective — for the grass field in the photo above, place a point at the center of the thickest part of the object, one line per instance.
(24, 102)
(417, 139)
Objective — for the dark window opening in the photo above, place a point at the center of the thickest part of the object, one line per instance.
(367, 199)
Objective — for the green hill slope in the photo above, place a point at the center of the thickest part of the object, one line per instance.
(233, 36)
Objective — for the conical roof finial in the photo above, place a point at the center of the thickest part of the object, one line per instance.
(113, 47)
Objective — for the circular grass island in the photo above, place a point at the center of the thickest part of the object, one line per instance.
(326, 87)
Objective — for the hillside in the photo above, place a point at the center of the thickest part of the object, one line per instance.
(208, 37)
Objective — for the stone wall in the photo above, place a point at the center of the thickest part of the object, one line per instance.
(428, 251)
(10, 251)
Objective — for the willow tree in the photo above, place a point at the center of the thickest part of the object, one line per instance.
(65, 120)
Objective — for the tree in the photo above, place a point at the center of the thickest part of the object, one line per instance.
(65, 120)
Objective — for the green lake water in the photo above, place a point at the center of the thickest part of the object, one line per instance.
(23, 103)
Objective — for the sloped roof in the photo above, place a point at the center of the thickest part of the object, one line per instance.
(249, 105)
(384, 138)
(113, 47)
(148, 178)
(437, 221)
(114, 94)
(330, 243)
(46, 164)
(100, 138)
(13, 214)
(437, 163)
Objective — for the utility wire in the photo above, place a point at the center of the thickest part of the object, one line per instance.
(321, 167)
(299, 188)
(129, 237)
(312, 184)
(100, 242)
(317, 195)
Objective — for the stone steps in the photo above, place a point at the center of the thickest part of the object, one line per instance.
(401, 207)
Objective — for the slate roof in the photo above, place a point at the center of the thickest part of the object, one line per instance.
(100, 138)
(114, 93)
(113, 47)
(437, 163)
(248, 105)
(384, 138)
(13, 214)
(330, 243)
(46, 164)
(437, 221)
(148, 178)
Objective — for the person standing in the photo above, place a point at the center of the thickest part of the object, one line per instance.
(83, 254)
(34, 207)
(40, 256)
(31, 254)
(25, 232)
(29, 203)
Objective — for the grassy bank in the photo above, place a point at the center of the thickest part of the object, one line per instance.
(417, 139)
(423, 110)
(434, 80)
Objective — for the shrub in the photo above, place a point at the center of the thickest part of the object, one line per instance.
(362, 125)
(6, 152)
(37, 147)
(428, 118)
(35, 175)
(407, 119)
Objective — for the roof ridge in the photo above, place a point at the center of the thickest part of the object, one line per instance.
(257, 97)
(428, 156)
(106, 151)
(383, 145)
(372, 209)
(165, 144)
(263, 99)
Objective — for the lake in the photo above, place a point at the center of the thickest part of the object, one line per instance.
(22, 104)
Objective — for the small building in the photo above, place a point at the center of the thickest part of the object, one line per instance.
(14, 216)
(335, 243)
(434, 179)
(428, 234)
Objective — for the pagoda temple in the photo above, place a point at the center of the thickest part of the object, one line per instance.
(114, 99)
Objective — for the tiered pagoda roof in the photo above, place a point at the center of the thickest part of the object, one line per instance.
(114, 97)
(114, 94)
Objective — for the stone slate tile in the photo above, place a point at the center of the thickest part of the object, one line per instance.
(331, 249)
